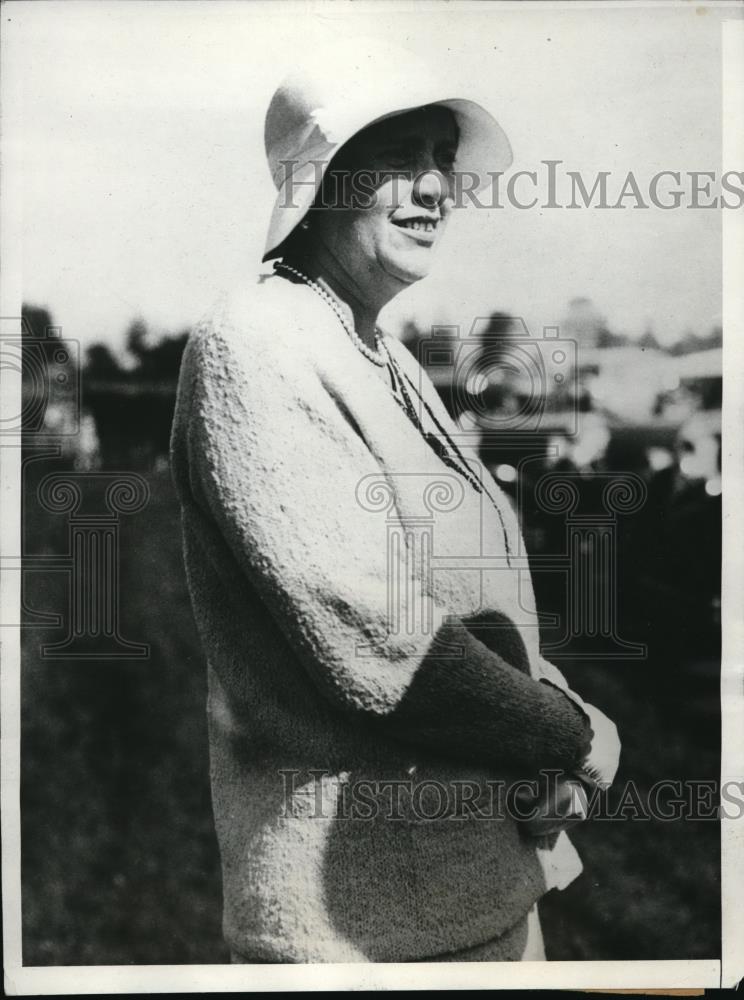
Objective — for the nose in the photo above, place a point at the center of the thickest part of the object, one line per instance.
(430, 188)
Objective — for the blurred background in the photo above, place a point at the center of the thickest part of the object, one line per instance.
(582, 346)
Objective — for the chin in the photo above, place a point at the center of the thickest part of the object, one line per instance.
(408, 271)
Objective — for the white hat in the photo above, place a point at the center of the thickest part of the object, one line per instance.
(315, 111)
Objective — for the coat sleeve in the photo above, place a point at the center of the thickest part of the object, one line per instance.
(274, 461)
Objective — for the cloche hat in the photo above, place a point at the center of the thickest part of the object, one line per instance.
(316, 110)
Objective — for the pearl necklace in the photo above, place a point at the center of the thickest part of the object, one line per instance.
(377, 357)
(402, 397)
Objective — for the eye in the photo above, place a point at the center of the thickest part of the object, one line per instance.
(397, 157)
(446, 158)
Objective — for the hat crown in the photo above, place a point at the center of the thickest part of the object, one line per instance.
(328, 101)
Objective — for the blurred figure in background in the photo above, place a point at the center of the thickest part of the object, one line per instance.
(678, 546)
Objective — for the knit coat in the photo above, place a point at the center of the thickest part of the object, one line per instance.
(364, 634)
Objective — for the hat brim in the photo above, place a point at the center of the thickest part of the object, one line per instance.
(483, 149)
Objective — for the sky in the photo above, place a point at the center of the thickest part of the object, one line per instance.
(139, 132)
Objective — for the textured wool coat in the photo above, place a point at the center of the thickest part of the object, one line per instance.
(364, 634)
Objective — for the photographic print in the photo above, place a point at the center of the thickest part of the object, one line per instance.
(371, 475)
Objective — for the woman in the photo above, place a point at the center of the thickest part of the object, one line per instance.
(375, 681)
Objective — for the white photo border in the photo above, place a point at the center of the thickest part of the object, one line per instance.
(20, 980)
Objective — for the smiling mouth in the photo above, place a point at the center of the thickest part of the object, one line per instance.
(421, 231)
(418, 225)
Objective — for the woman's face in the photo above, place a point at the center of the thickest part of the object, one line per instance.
(392, 185)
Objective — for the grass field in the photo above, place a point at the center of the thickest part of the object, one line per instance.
(119, 859)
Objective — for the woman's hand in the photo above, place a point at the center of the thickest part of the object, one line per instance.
(604, 757)
(601, 764)
(561, 805)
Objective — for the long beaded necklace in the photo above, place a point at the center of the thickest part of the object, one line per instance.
(448, 452)
(377, 356)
